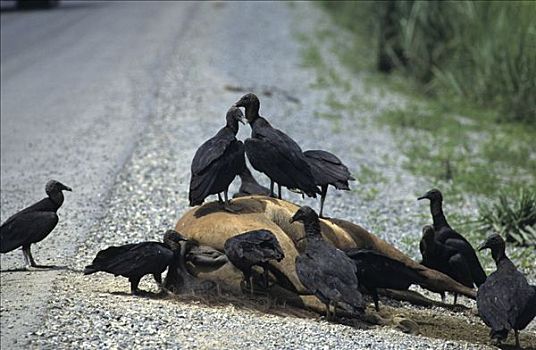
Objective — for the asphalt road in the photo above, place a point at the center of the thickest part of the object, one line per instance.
(78, 84)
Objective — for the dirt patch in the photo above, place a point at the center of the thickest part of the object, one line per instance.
(461, 326)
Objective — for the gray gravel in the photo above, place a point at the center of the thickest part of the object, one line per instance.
(225, 44)
(77, 89)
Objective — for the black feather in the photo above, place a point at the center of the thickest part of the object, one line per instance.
(505, 301)
(324, 270)
(443, 258)
(250, 186)
(133, 261)
(327, 169)
(257, 247)
(445, 235)
(274, 153)
(375, 270)
(34, 223)
(217, 161)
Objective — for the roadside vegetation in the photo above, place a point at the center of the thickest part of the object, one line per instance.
(516, 220)
(468, 123)
(478, 51)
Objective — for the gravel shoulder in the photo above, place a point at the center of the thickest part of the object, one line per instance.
(74, 101)
(149, 192)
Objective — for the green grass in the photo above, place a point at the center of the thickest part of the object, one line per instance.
(478, 51)
(367, 175)
(368, 179)
(470, 153)
(311, 56)
(513, 215)
(368, 193)
(455, 143)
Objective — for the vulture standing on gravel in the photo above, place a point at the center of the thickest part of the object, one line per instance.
(217, 162)
(327, 169)
(252, 248)
(445, 259)
(250, 186)
(505, 300)
(375, 270)
(446, 235)
(136, 260)
(33, 224)
(324, 270)
(274, 153)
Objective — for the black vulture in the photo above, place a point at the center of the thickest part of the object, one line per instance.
(327, 169)
(33, 224)
(445, 259)
(376, 270)
(217, 162)
(274, 153)
(191, 259)
(136, 260)
(250, 186)
(447, 236)
(324, 270)
(252, 248)
(505, 300)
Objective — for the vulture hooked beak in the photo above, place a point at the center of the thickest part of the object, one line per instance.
(295, 218)
(239, 103)
(482, 246)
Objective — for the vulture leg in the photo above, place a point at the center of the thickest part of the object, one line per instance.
(162, 289)
(334, 312)
(328, 316)
(248, 278)
(28, 255)
(279, 191)
(25, 252)
(158, 279)
(265, 277)
(272, 193)
(516, 333)
(376, 298)
(322, 199)
(227, 204)
(219, 198)
(455, 298)
(30, 262)
(134, 282)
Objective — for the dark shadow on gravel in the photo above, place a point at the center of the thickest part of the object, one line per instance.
(425, 321)
(255, 302)
(284, 303)
(512, 347)
(143, 294)
(444, 326)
